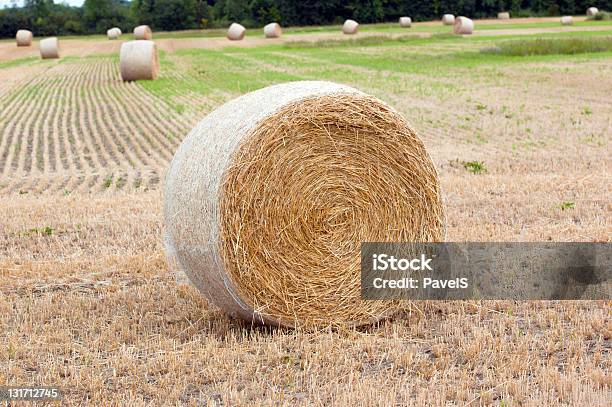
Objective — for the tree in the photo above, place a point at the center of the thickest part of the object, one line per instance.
(169, 15)
(264, 12)
(237, 10)
(96, 14)
(367, 11)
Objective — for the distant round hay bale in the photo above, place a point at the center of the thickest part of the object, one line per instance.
(49, 48)
(463, 25)
(138, 60)
(24, 38)
(592, 11)
(236, 32)
(504, 15)
(143, 32)
(567, 20)
(273, 30)
(269, 197)
(405, 22)
(350, 27)
(113, 33)
(448, 19)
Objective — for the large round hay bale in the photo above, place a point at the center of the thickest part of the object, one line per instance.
(448, 19)
(504, 15)
(113, 33)
(24, 38)
(236, 32)
(463, 25)
(49, 48)
(269, 197)
(350, 27)
(273, 30)
(138, 60)
(405, 22)
(143, 32)
(567, 20)
(592, 11)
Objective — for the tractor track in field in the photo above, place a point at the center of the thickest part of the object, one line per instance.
(80, 128)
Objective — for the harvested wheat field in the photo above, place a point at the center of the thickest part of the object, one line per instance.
(89, 304)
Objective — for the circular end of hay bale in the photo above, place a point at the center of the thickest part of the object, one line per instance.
(113, 33)
(405, 22)
(567, 20)
(269, 197)
(49, 48)
(448, 19)
(236, 32)
(504, 15)
(24, 38)
(272, 30)
(143, 32)
(138, 60)
(463, 26)
(592, 11)
(350, 27)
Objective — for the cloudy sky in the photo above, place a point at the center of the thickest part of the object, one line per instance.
(4, 3)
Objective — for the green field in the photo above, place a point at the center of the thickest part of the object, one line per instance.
(376, 63)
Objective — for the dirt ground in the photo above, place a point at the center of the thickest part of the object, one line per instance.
(88, 304)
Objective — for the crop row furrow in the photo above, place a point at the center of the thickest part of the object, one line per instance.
(165, 126)
(96, 152)
(122, 130)
(21, 104)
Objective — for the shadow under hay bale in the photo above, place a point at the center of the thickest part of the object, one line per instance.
(269, 197)
(138, 60)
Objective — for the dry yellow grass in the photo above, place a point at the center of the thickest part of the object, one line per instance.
(93, 308)
(88, 304)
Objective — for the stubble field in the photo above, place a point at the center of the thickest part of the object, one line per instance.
(88, 304)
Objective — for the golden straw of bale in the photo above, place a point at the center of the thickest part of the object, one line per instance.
(269, 197)
(113, 33)
(350, 27)
(504, 15)
(138, 60)
(24, 38)
(273, 30)
(567, 20)
(143, 32)
(236, 32)
(49, 48)
(463, 25)
(405, 22)
(448, 19)
(592, 11)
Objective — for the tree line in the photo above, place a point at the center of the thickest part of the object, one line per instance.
(44, 17)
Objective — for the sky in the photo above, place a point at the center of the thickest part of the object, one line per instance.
(4, 3)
